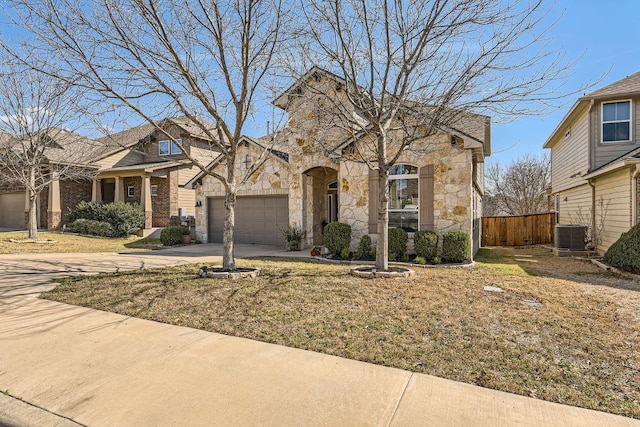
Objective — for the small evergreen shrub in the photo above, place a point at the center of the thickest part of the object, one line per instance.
(456, 246)
(398, 239)
(125, 218)
(625, 252)
(364, 248)
(421, 260)
(344, 253)
(337, 236)
(426, 244)
(405, 257)
(172, 235)
(92, 228)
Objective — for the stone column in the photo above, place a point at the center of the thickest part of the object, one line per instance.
(54, 213)
(119, 190)
(145, 201)
(96, 191)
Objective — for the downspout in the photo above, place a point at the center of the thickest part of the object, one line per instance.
(634, 194)
(594, 232)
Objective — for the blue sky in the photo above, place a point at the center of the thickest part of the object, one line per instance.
(606, 37)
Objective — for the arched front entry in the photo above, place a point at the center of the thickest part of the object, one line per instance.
(320, 201)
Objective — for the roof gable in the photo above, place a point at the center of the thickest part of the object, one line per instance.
(628, 85)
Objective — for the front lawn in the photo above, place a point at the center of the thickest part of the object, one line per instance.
(580, 347)
(67, 243)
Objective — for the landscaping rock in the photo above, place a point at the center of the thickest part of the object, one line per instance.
(493, 289)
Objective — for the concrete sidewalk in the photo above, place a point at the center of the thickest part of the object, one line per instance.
(103, 369)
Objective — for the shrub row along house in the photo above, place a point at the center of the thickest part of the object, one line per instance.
(595, 162)
(138, 165)
(310, 179)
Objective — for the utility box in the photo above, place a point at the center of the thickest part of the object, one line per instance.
(570, 237)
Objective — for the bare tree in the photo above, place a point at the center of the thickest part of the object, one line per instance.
(519, 188)
(207, 60)
(37, 117)
(414, 69)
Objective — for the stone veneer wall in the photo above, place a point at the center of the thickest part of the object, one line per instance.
(271, 178)
(453, 197)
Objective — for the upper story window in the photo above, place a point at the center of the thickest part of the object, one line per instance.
(166, 148)
(616, 121)
(404, 204)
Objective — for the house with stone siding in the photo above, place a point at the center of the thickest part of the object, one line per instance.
(595, 162)
(302, 184)
(138, 165)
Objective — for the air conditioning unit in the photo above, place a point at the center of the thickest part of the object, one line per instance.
(570, 236)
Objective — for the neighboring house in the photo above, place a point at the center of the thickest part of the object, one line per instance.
(438, 189)
(138, 165)
(595, 162)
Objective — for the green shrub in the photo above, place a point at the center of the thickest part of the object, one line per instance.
(364, 248)
(397, 243)
(172, 235)
(125, 218)
(337, 236)
(405, 257)
(426, 244)
(86, 210)
(344, 253)
(91, 227)
(421, 260)
(625, 252)
(456, 246)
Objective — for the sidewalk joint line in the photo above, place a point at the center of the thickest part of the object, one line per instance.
(6, 393)
(404, 390)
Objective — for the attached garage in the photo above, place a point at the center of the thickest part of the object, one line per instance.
(12, 210)
(258, 219)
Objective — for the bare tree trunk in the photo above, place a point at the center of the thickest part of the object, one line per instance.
(228, 258)
(32, 223)
(382, 246)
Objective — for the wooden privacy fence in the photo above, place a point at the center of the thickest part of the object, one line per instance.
(518, 230)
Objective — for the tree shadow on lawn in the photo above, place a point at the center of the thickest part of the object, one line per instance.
(540, 261)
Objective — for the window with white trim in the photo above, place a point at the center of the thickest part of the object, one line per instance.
(616, 121)
(131, 191)
(167, 148)
(404, 205)
(154, 190)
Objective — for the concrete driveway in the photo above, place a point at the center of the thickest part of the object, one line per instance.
(77, 366)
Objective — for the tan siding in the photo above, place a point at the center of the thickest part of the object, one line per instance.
(125, 157)
(575, 205)
(570, 157)
(187, 199)
(605, 153)
(613, 206)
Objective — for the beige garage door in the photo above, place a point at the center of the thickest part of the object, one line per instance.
(257, 219)
(12, 210)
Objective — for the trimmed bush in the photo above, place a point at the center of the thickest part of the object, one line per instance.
(426, 244)
(625, 252)
(125, 218)
(337, 236)
(398, 239)
(456, 246)
(170, 236)
(364, 248)
(91, 227)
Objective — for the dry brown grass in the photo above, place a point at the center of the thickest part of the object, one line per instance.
(579, 348)
(68, 243)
